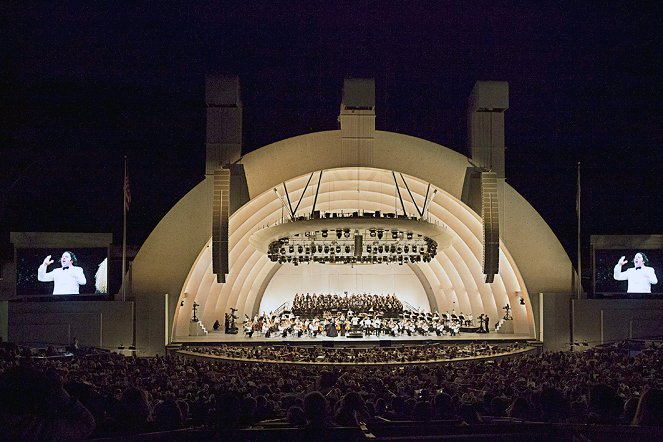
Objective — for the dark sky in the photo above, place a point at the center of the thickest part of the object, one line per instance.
(84, 83)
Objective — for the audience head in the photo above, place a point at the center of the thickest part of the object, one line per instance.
(604, 404)
(168, 416)
(315, 409)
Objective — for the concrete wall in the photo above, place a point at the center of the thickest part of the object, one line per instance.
(105, 324)
(599, 321)
(152, 324)
(555, 330)
(595, 321)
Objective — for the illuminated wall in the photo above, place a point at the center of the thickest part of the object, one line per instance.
(453, 280)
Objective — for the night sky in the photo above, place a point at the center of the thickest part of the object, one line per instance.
(84, 83)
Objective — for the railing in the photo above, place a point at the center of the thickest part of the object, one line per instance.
(281, 308)
(408, 306)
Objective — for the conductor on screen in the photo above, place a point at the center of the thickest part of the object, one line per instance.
(640, 278)
(68, 278)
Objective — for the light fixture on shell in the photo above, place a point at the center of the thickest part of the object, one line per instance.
(306, 239)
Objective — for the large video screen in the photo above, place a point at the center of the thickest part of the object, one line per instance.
(628, 271)
(58, 271)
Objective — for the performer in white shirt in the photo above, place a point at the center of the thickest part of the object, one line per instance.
(68, 278)
(640, 278)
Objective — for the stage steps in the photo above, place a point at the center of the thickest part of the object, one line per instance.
(196, 328)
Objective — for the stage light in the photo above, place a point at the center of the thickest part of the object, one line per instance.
(302, 246)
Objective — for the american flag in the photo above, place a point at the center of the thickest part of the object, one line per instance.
(127, 189)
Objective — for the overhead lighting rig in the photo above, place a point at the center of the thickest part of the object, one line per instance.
(359, 237)
(352, 246)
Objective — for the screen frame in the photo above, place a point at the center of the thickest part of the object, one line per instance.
(633, 243)
(55, 252)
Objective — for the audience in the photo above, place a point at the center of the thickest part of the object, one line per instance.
(105, 394)
(396, 354)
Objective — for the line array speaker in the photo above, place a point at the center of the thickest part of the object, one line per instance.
(491, 225)
(220, 214)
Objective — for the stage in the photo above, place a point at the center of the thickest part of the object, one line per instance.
(343, 341)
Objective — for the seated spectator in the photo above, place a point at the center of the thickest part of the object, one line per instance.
(605, 406)
(519, 409)
(352, 411)
(168, 416)
(423, 411)
(228, 411)
(132, 413)
(444, 407)
(316, 410)
(554, 407)
(296, 417)
(397, 409)
(34, 406)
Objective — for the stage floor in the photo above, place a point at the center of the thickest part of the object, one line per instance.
(461, 338)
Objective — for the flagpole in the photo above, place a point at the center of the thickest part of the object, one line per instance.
(579, 286)
(124, 231)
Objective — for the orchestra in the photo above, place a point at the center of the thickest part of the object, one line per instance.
(314, 315)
